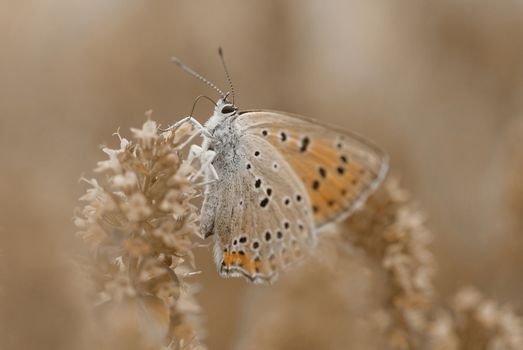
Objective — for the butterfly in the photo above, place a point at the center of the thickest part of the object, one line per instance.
(273, 180)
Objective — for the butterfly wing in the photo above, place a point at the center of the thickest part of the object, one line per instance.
(259, 213)
(338, 169)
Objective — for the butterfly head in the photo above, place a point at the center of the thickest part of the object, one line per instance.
(225, 113)
(224, 108)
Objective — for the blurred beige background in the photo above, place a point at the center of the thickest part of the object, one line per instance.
(438, 84)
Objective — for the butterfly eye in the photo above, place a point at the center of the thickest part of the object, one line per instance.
(228, 109)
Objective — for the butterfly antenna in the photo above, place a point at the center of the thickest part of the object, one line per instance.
(220, 52)
(196, 75)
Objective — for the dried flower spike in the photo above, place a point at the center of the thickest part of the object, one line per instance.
(139, 223)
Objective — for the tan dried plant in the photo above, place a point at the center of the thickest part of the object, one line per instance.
(139, 223)
(391, 230)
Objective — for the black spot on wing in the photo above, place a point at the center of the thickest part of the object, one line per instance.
(305, 142)
(264, 202)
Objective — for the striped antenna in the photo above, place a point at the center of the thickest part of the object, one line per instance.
(196, 75)
(220, 52)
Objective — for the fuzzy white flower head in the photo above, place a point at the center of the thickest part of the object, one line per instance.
(120, 287)
(123, 142)
(136, 208)
(488, 313)
(92, 193)
(441, 327)
(147, 134)
(173, 203)
(112, 163)
(126, 181)
(467, 299)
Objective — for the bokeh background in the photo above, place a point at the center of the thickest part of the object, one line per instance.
(438, 84)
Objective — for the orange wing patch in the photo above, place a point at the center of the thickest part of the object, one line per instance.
(339, 169)
(241, 261)
(243, 264)
(335, 180)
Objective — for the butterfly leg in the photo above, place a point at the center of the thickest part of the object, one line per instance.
(196, 124)
(206, 157)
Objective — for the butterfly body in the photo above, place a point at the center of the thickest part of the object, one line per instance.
(279, 178)
(226, 143)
